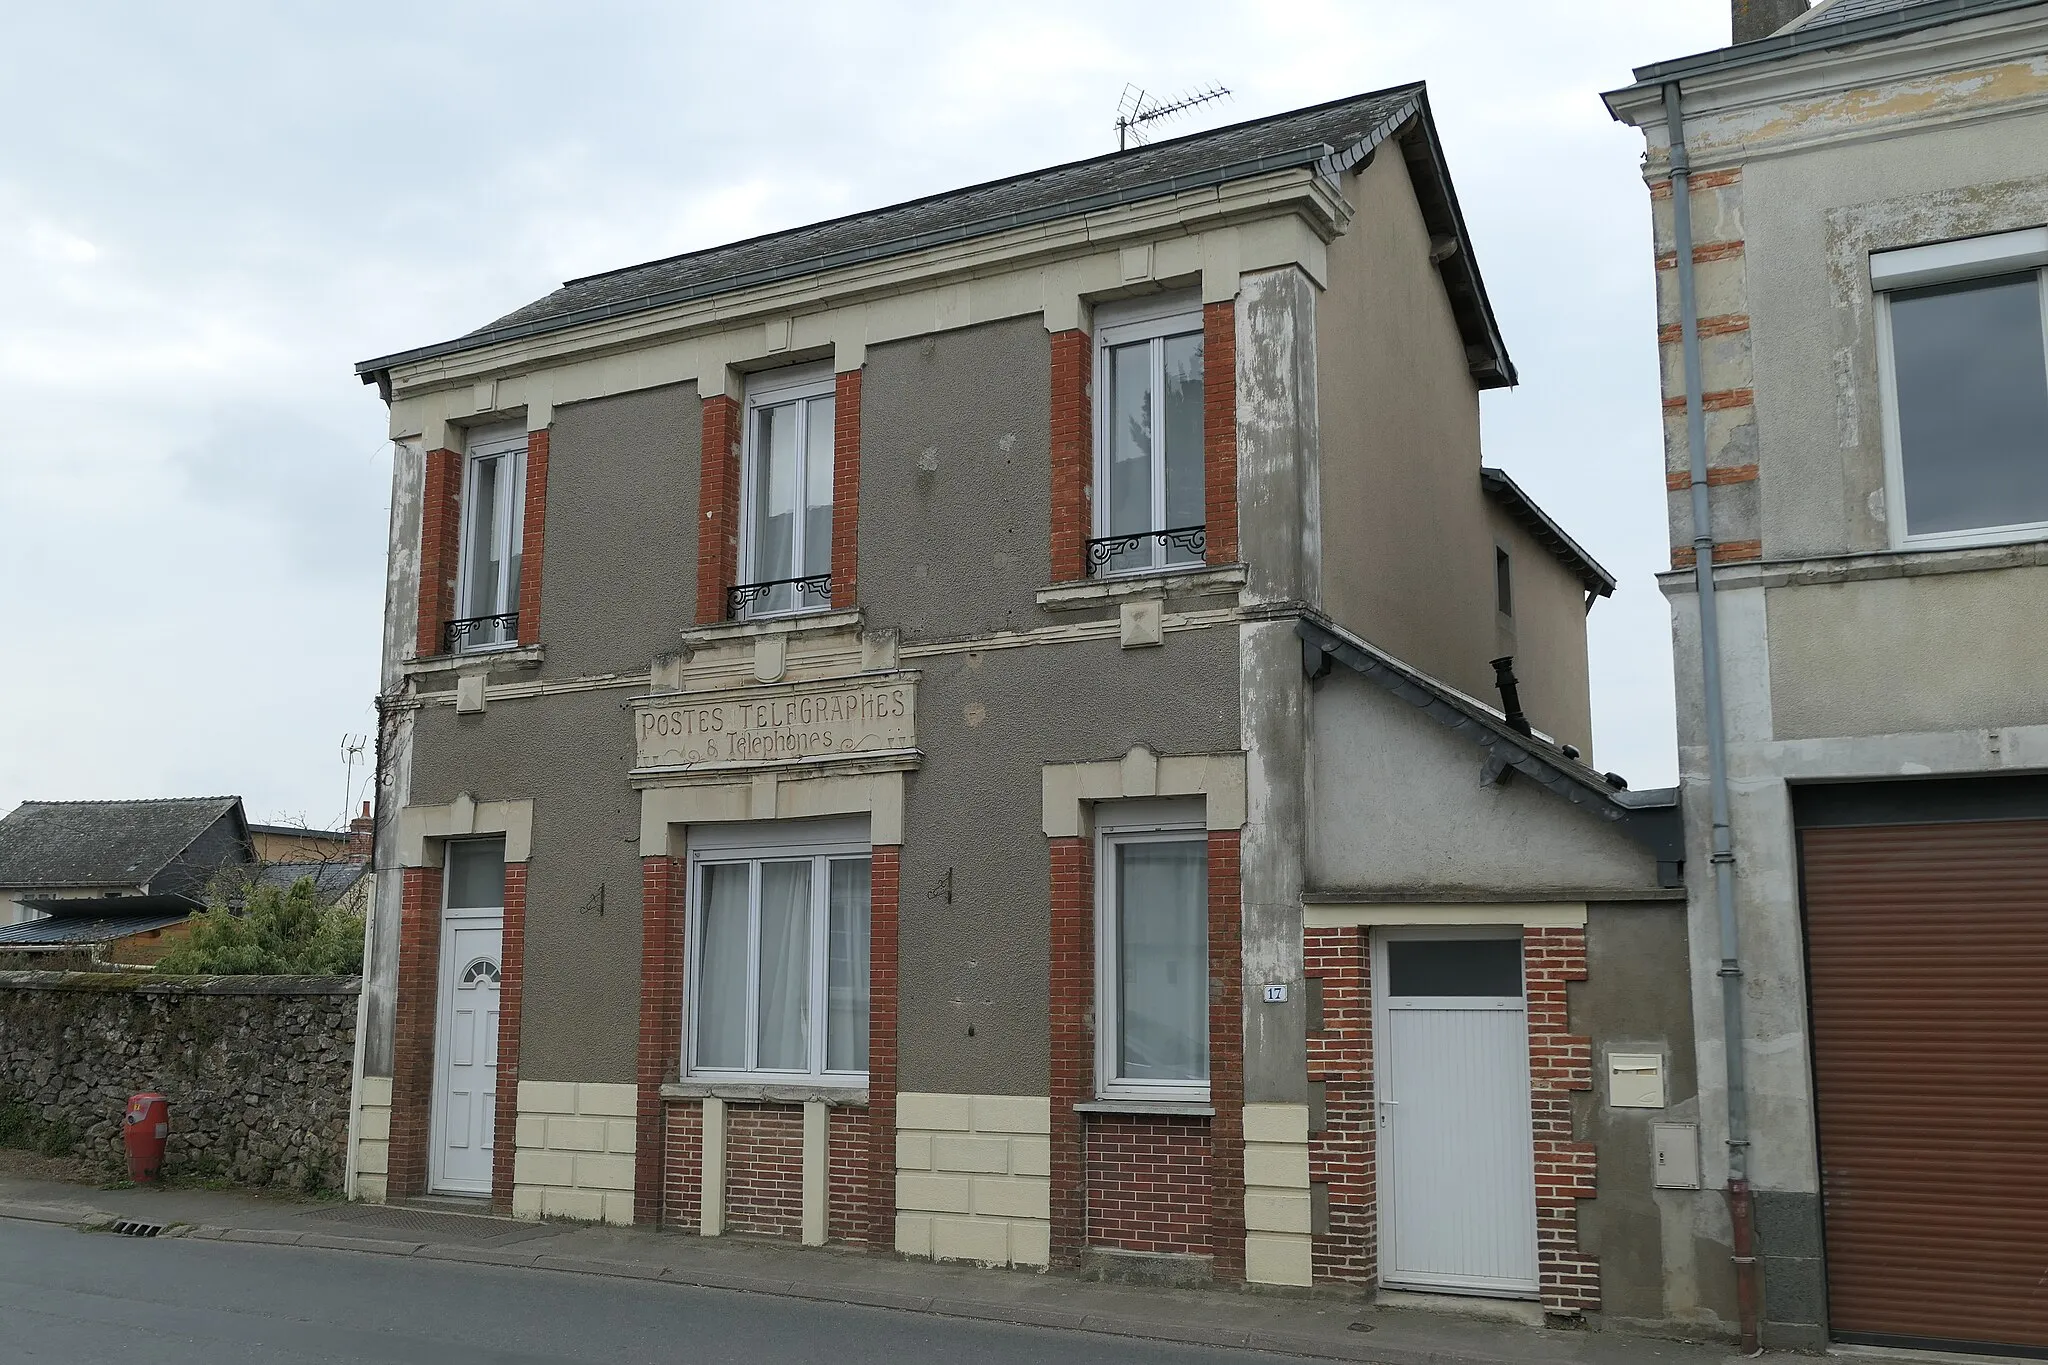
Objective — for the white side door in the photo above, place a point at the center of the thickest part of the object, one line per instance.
(1458, 1212)
(466, 1047)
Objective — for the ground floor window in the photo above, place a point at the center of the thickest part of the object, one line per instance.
(779, 977)
(1152, 971)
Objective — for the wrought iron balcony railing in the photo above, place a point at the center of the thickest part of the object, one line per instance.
(1103, 549)
(472, 632)
(812, 591)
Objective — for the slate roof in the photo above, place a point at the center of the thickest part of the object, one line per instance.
(65, 930)
(1841, 11)
(67, 844)
(1323, 134)
(1533, 519)
(1825, 26)
(331, 881)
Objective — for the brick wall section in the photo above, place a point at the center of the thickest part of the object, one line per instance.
(718, 504)
(846, 490)
(764, 1169)
(1073, 1057)
(683, 1168)
(1343, 1156)
(1219, 429)
(1226, 1054)
(848, 1175)
(661, 1021)
(440, 547)
(532, 535)
(1560, 1062)
(885, 889)
(1149, 1183)
(412, 1041)
(511, 998)
(1073, 455)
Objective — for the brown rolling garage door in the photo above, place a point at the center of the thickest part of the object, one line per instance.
(1927, 951)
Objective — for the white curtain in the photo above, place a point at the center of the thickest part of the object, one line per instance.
(846, 994)
(785, 991)
(1162, 891)
(722, 969)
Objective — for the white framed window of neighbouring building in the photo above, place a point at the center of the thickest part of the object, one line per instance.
(1963, 341)
(786, 494)
(1150, 502)
(1152, 951)
(493, 511)
(778, 939)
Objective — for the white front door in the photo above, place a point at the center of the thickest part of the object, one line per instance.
(1458, 1211)
(466, 1076)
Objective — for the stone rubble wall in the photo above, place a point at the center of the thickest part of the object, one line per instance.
(256, 1068)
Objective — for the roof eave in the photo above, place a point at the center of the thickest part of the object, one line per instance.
(1517, 503)
(1486, 350)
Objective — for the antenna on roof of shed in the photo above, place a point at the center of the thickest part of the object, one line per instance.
(1138, 110)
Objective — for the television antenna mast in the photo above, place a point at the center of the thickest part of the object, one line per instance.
(1138, 110)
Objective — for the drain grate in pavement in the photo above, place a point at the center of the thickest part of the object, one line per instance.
(135, 1227)
(468, 1228)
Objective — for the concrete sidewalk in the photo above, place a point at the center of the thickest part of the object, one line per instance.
(1325, 1327)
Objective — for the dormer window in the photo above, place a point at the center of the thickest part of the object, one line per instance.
(1150, 506)
(786, 496)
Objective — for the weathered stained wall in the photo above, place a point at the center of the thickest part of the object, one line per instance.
(1407, 558)
(1399, 806)
(256, 1068)
(1547, 636)
(619, 569)
(569, 755)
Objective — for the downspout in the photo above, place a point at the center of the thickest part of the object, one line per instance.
(1740, 1208)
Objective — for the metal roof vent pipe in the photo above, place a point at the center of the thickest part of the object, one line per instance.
(1754, 19)
(1510, 694)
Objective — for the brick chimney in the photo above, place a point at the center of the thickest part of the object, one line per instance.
(360, 831)
(1761, 18)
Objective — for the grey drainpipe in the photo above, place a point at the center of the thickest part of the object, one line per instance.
(1739, 1200)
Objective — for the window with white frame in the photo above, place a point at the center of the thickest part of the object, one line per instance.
(493, 516)
(1152, 955)
(1963, 327)
(1150, 507)
(779, 941)
(786, 491)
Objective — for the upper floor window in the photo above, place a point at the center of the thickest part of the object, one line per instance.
(1503, 582)
(1152, 962)
(1150, 506)
(786, 495)
(493, 510)
(1965, 369)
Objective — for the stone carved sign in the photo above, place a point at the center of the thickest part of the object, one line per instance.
(829, 718)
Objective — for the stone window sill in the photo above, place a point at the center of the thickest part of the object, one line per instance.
(1221, 581)
(816, 623)
(847, 1097)
(521, 657)
(1190, 1109)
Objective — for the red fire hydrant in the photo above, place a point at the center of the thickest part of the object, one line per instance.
(144, 1129)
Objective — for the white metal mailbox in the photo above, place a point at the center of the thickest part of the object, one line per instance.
(1635, 1080)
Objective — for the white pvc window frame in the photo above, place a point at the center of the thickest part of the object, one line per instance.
(509, 532)
(820, 847)
(795, 388)
(1953, 262)
(1117, 826)
(1150, 320)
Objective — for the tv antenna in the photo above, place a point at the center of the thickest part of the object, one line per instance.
(1138, 110)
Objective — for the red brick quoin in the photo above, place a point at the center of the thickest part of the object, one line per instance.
(845, 490)
(718, 508)
(1219, 429)
(1342, 1156)
(412, 1032)
(440, 547)
(532, 538)
(511, 1002)
(1073, 454)
(1559, 1063)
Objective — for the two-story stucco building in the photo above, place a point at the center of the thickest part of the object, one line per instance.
(924, 730)
(1851, 254)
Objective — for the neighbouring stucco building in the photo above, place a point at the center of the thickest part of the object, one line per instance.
(924, 731)
(1867, 421)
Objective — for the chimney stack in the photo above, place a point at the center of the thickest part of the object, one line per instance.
(1755, 19)
(360, 832)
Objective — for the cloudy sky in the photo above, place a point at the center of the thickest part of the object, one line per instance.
(208, 212)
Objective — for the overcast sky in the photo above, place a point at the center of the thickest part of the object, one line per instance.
(208, 212)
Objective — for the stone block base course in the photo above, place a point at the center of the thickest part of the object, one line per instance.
(973, 1178)
(574, 1157)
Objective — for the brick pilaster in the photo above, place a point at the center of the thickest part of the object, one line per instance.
(845, 490)
(440, 547)
(1226, 1056)
(1219, 429)
(885, 873)
(1560, 1062)
(718, 508)
(1343, 1156)
(1073, 453)
(412, 1033)
(661, 1022)
(532, 536)
(1073, 1043)
(511, 1000)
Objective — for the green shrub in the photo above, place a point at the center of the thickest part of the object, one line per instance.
(276, 932)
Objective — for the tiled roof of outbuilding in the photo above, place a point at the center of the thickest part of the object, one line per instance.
(62, 930)
(101, 843)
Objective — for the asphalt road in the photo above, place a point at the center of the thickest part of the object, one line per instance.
(83, 1298)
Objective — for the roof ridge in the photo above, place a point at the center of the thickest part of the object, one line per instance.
(130, 801)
